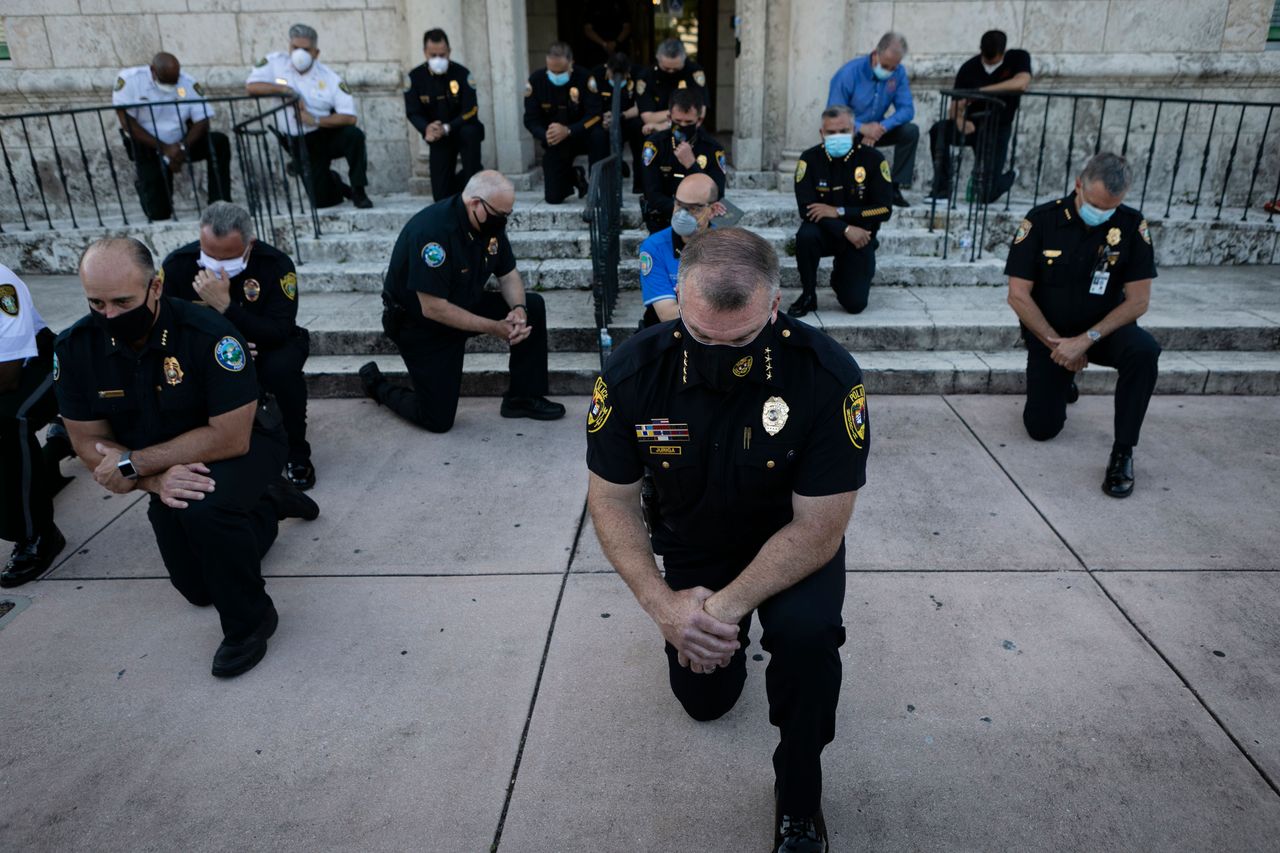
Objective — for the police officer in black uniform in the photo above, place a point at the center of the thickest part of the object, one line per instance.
(435, 299)
(673, 154)
(160, 395)
(672, 70)
(754, 428)
(1080, 272)
(28, 476)
(562, 111)
(257, 291)
(844, 191)
(619, 77)
(441, 105)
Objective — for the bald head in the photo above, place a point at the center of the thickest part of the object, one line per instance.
(698, 189)
(166, 68)
(118, 274)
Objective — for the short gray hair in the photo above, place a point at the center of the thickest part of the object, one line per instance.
(1112, 170)
(223, 217)
(731, 266)
(486, 185)
(892, 39)
(560, 50)
(836, 111)
(672, 48)
(302, 31)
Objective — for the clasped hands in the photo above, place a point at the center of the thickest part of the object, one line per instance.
(176, 486)
(703, 635)
(513, 328)
(1070, 353)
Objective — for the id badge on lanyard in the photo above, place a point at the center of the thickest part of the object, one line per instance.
(1101, 275)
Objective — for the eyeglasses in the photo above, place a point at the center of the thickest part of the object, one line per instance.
(695, 209)
(494, 212)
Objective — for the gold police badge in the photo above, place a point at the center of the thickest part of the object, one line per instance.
(453, 87)
(702, 161)
(493, 245)
(252, 289)
(859, 174)
(743, 367)
(573, 94)
(775, 415)
(172, 371)
(1113, 237)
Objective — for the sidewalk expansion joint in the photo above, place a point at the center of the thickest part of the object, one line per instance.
(1266, 777)
(67, 555)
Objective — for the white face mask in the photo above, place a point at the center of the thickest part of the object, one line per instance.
(438, 64)
(229, 268)
(301, 59)
(990, 68)
(167, 88)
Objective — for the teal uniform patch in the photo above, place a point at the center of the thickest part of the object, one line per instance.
(646, 263)
(57, 368)
(229, 354)
(433, 254)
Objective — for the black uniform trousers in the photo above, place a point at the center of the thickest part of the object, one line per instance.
(991, 148)
(903, 139)
(155, 181)
(1129, 349)
(803, 633)
(213, 549)
(324, 145)
(557, 161)
(433, 353)
(854, 268)
(633, 137)
(443, 157)
(280, 373)
(26, 490)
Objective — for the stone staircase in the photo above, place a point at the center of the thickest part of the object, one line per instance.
(933, 325)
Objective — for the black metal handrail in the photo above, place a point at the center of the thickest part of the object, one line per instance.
(45, 133)
(604, 217)
(986, 131)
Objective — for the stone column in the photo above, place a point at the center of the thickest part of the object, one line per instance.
(816, 47)
(508, 72)
(749, 88)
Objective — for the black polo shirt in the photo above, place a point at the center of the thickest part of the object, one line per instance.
(438, 253)
(449, 98)
(859, 182)
(663, 172)
(724, 482)
(194, 367)
(654, 88)
(576, 104)
(973, 76)
(264, 298)
(1059, 253)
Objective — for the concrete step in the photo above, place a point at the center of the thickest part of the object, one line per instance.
(887, 372)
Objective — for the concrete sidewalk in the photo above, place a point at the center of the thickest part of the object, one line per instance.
(1030, 665)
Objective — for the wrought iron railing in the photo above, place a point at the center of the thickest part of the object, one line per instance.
(604, 216)
(984, 112)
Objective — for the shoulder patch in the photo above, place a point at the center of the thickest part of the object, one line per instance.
(1144, 231)
(720, 159)
(289, 284)
(342, 84)
(528, 89)
(57, 368)
(591, 84)
(160, 275)
(598, 414)
(1024, 228)
(9, 300)
(471, 80)
(700, 78)
(640, 84)
(650, 151)
(855, 416)
(646, 263)
(433, 254)
(119, 84)
(884, 171)
(199, 89)
(801, 168)
(229, 354)
(260, 63)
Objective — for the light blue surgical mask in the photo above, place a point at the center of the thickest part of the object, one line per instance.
(1094, 216)
(838, 144)
(558, 79)
(880, 73)
(684, 223)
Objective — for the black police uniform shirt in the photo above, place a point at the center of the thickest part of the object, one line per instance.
(449, 98)
(438, 253)
(726, 463)
(608, 17)
(576, 105)
(194, 367)
(264, 298)
(663, 171)
(973, 76)
(1078, 272)
(859, 182)
(627, 91)
(654, 88)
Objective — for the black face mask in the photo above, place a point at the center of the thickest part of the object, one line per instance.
(683, 132)
(495, 223)
(131, 326)
(723, 367)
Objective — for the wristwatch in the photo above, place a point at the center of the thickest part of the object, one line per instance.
(1094, 335)
(840, 212)
(125, 466)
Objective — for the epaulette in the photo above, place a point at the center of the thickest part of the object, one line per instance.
(829, 355)
(642, 348)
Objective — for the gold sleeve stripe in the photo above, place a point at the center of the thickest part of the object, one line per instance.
(874, 211)
(470, 113)
(590, 122)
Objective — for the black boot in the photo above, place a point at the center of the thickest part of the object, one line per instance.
(808, 301)
(32, 557)
(580, 181)
(1119, 480)
(1073, 393)
(233, 659)
(290, 502)
(360, 199)
(537, 408)
(370, 379)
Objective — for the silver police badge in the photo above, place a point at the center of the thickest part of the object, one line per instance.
(775, 415)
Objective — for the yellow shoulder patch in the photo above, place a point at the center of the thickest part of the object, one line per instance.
(289, 284)
(600, 409)
(1023, 230)
(260, 63)
(591, 84)
(884, 171)
(119, 84)
(640, 86)
(342, 84)
(855, 416)
(1144, 231)
(801, 168)
(9, 300)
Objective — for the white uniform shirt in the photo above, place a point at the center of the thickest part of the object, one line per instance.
(19, 320)
(166, 123)
(322, 90)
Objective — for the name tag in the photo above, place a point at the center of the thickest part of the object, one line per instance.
(110, 395)
(1098, 286)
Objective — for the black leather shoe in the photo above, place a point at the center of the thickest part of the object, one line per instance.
(580, 181)
(361, 199)
(32, 558)
(343, 186)
(1119, 481)
(290, 502)
(803, 305)
(234, 659)
(1073, 393)
(800, 835)
(301, 474)
(538, 408)
(370, 379)
(899, 200)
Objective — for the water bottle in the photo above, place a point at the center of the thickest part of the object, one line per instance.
(966, 240)
(606, 344)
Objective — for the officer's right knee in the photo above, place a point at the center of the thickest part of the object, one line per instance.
(1041, 428)
(854, 304)
(433, 421)
(809, 234)
(706, 709)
